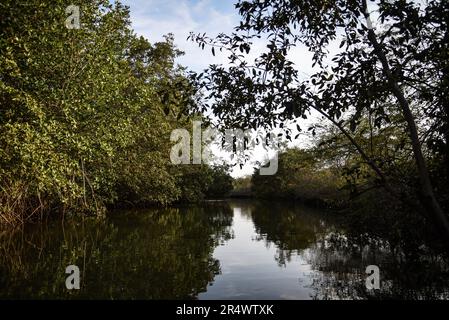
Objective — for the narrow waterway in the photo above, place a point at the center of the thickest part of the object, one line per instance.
(215, 250)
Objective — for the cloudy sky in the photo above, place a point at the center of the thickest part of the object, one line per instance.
(155, 18)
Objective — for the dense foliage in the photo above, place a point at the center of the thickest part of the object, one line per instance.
(86, 114)
(302, 176)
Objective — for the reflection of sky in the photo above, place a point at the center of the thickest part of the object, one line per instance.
(250, 271)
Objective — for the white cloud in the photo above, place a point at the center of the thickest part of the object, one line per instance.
(155, 18)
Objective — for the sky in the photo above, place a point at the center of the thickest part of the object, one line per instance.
(155, 18)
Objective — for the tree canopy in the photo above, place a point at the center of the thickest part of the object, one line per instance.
(392, 63)
(86, 114)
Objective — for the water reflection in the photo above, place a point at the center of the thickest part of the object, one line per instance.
(342, 258)
(256, 263)
(339, 255)
(152, 254)
(219, 250)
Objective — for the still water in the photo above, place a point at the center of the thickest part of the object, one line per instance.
(216, 250)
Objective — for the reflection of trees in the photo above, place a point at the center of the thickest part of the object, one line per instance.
(154, 254)
(290, 228)
(340, 253)
(342, 260)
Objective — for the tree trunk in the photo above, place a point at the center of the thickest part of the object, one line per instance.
(428, 198)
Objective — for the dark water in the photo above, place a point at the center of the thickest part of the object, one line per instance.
(216, 250)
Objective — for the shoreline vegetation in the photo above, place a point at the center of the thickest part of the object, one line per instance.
(86, 117)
